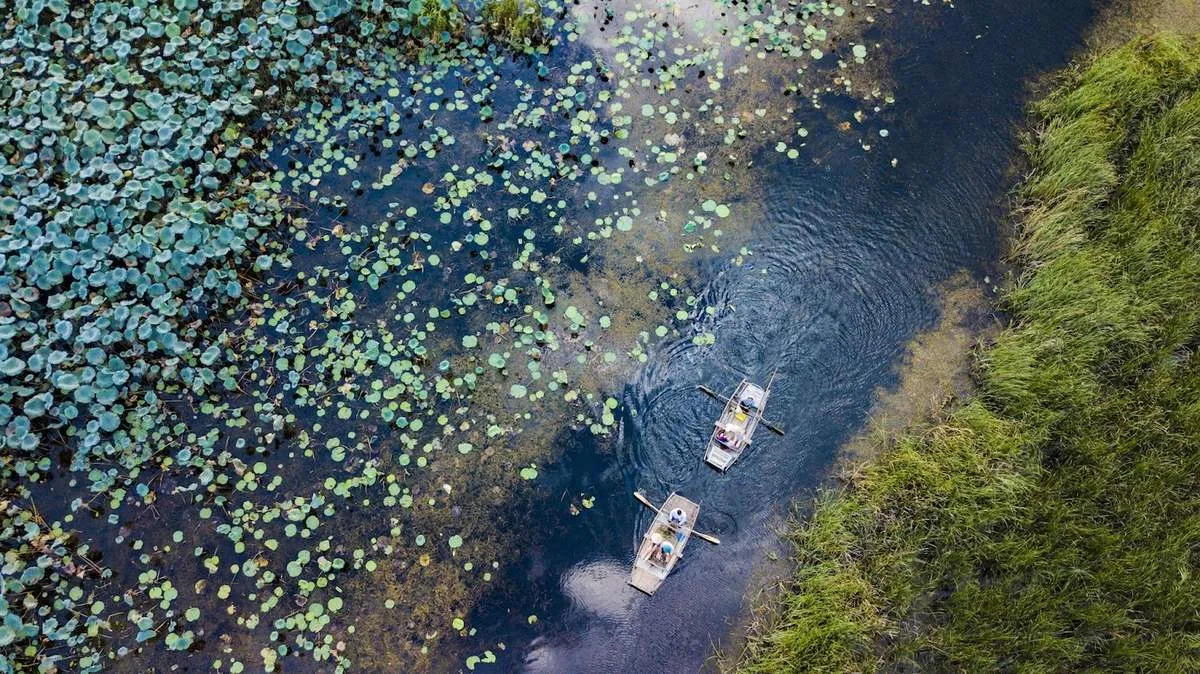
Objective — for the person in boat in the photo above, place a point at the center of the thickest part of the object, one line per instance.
(730, 436)
(677, 518)
(662, 553)
(724, 437)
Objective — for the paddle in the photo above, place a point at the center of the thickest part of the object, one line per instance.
(646, 502)
(770, 426)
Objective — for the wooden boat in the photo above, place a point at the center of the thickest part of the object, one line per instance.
(651, 567)
(734, 429)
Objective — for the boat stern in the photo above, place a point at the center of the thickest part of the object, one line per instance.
(644, 580)
(719, 458)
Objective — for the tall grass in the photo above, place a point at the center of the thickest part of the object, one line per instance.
(1053, 523)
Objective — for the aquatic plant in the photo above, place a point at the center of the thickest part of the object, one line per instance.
(516, 22)
(234, 353)
(130, 198)
(1049, 523)
(441, 20)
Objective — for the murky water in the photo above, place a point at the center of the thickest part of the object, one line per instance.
(846, 255)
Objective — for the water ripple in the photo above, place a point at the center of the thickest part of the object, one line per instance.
(838, 280)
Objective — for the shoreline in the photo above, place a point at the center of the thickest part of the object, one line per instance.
(933, 374)
(857, 595)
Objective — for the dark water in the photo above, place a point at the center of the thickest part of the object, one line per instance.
(852, 249)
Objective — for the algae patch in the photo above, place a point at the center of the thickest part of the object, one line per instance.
(935, 370)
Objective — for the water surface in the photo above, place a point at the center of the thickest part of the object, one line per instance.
(400, 365)
(847, 253)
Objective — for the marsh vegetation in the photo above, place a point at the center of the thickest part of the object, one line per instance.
(1049, 523)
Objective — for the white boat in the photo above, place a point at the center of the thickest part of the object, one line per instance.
(652, 565)
(734, 430)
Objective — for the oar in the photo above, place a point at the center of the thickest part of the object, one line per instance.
(772, 379)
(646, 502)
(770, 426)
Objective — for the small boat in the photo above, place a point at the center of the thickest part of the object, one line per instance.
(663, 544)
(734, 429)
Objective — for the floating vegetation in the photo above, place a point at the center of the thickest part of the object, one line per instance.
(271, 266)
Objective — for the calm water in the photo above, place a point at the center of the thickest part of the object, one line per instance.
(851, 248)
(846, 256)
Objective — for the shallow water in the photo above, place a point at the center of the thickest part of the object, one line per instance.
(846, 257)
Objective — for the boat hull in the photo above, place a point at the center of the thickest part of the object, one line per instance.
(649, 573)
(738, 422)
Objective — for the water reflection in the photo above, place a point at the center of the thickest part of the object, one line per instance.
(600, 589)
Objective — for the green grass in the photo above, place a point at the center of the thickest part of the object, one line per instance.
(517, 23)
(1052, 524)
(439, 20)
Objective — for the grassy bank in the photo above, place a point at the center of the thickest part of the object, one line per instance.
(1052, 523)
